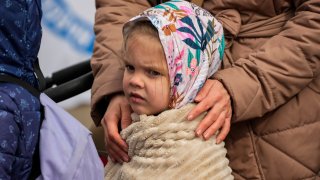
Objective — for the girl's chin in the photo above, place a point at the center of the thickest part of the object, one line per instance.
(139, 110)
(144, 111)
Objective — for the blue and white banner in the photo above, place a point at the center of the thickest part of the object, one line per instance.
(68, 37)
(68, 24)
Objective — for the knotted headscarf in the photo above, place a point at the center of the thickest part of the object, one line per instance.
(193, 43)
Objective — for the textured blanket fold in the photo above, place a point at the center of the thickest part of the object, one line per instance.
(165, 147)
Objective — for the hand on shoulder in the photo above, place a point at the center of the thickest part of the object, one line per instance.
(215, 99)
(118, 110)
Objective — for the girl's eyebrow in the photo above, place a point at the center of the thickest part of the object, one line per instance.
(125, 61)
(154, 66)
(149, 66)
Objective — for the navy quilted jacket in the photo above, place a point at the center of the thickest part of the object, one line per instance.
(20, 36)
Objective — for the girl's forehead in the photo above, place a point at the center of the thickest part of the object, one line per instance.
(147, 51)
(140, 38)
(144, 45)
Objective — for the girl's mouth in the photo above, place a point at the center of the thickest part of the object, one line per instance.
(136, 98)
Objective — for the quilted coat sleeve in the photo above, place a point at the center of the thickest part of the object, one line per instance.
(280, 69)
(106, 60)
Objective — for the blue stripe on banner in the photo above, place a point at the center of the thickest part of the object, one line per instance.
(59, 18)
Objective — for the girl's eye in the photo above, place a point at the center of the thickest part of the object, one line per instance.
(129, 68)
(154, 73)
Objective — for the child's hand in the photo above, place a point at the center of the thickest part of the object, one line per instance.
(215, 99)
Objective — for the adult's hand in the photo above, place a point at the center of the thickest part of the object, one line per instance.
(118, 110)
(215, 99)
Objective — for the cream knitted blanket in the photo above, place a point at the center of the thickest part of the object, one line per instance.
(165, 147)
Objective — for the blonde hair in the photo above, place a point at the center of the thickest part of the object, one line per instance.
(139, 27)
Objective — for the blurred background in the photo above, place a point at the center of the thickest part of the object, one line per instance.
(68, 39)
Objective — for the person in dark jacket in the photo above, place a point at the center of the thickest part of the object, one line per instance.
(20, 36)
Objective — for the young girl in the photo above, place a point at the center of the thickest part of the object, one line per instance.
(170, 50)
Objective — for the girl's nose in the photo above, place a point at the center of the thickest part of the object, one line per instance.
(136, 80)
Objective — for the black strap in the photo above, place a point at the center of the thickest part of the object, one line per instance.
(31, 89)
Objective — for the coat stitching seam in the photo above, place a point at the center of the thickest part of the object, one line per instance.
(288, 155)
(287, 129)
(258, 163)
(235, 172)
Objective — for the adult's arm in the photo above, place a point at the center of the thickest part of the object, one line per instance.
(280, 69)
(106, 59)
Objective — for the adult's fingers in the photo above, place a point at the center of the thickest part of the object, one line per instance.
(112, 131)
(226, 126)
(115, 145)
(204, 102)
(224, 131)
(211, 122)
(126, 116)
(206, 98)
(114, 157)
(116, 153)
(222, 123)
(115, 137)
(201, 107)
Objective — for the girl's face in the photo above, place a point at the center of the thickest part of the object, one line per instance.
(146, 81)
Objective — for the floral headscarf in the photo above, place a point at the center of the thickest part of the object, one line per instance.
(193, 43)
